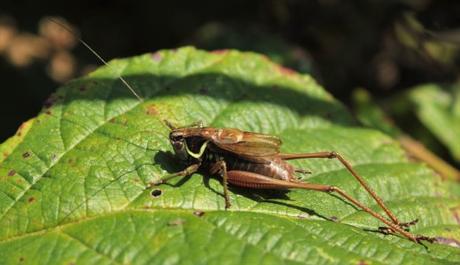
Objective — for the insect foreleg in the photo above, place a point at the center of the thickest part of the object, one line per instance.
(186, 172)
(350, 169)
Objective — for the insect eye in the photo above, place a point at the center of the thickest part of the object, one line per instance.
(176, 138)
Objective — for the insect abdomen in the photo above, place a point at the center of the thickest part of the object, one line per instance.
(276, 168)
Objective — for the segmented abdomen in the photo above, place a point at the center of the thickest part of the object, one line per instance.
(275, 168)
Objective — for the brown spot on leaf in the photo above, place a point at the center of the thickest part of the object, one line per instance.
(5, 154)
(176, 222)
(31, 199)
(151, 110)
(285, 71)
(72, 162)
(26, 155)
(12, 173)
(20, 129)
(362, 262)
(221, 51)
(198, 213)
(21, 259)
(48, 112)
(157, 57)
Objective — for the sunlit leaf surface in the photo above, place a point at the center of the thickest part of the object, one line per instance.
(73, 185)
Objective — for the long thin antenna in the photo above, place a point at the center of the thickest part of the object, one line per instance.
(95, 53)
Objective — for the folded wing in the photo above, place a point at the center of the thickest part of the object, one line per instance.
(250, 145)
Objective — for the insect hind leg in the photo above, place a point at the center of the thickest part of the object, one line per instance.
(258, 181)
(347, 165)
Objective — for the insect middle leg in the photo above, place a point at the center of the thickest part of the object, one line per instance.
(220, 167)
(350, 169)
(257, 181)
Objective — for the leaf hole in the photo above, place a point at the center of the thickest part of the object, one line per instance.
(156, 193)
(199, 213)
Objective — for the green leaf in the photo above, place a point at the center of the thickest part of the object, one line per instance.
(8, 146)
(73, 190)
(438, 108)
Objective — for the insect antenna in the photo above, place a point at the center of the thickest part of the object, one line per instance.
(95, 54)
(114, 180)
(170, 125)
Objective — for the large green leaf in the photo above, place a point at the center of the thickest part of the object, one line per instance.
(73, 186)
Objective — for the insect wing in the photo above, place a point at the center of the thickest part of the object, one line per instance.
(247, 144)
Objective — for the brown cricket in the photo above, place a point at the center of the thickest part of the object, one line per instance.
(253, 160)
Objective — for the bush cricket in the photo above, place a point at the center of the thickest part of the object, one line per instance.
(253, 160)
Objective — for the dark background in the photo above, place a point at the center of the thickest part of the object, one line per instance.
(344, 44)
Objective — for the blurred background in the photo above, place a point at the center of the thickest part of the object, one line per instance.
(395, 64)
